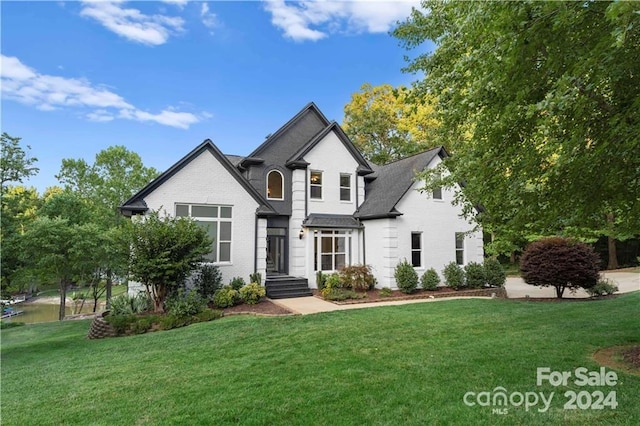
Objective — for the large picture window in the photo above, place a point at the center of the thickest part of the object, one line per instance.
(460, 248)
(275, 185)
(217, 221)
(332, 250)
(315, 185)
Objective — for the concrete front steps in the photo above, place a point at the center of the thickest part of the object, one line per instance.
(285, 287)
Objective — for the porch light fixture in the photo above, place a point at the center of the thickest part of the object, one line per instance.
(301, 233)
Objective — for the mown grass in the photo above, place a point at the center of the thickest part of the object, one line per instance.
(409, 364)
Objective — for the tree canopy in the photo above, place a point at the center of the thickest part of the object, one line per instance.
(15, 164)
(389, 123)
(539, 104)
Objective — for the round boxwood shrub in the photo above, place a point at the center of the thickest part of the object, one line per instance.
(454, 276)
(252, 293)
(561, 263)
(474, 275)
(430, 279)
(406, 277)
(494, 273)
(226, 297)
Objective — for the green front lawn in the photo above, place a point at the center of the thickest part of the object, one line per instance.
(409, 364)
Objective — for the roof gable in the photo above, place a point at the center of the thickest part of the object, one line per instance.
(136, 203)
(392, 181)
(297, 159)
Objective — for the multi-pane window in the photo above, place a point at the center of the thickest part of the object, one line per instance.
(275, 185)
(416, 249)
(332, 250)
(345, 187)
(315, 184)
(460, 248)
(216, 220)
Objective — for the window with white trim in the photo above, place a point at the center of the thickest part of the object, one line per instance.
(275, 185)
(345, 187)
(217, 221)
(460, 248)
(315, 185)
(437, 192)
(332, 250)
(416, 249)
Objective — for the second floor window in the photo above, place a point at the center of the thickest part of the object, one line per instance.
(275, 185)
(345, 187)
(315, 185)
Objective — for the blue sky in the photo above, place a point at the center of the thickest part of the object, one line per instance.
(160, 77)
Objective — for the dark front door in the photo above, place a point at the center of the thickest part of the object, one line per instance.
(276, 250)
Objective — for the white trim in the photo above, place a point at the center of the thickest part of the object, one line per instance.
(281, 185)
(320, 185)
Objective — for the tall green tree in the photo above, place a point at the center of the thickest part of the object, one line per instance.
(164, 250)
(15, 164)
(539, 104)
(389, 123)
(115, 176)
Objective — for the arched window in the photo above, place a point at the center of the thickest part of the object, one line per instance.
(275, 185)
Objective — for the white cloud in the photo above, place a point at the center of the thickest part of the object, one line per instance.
(179, 3)
(208, 18)
(47, 92)
(316, 19)
(131, 23)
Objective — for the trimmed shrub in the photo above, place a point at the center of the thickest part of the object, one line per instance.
(357, 277)
(207, 280)
(333, 281)
(454, 276)
(385, 292)
(474, 275)
(120, 323)
(603, 287)
(494, 273)
(256, 277)
(237, 283)
(252, 293)
(406, 277)
(226, 297)
(208, 315)
(430, 279)
(561, 263)
(130, 305)
(341, 294)
(185, 304)
(321, 280)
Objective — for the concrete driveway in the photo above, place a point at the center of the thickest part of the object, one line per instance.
(626, 281)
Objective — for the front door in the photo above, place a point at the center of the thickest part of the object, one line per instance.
(276, 250)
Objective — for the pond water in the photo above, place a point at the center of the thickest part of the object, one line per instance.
(43, 312)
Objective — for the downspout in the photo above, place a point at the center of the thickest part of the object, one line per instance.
(255, 246)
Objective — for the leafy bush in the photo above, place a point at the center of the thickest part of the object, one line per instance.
(321, 280)
(333, 281)
(121, 323)
(337, 294)
(357, 277)
(494, 273)
(185, 304)
(604, 286)
(474, 275)
(454, 276)
(561, 263)
(385, 292)
(207, 280)
(430, 279)
(226, 297)
(256, 277)
(208, 315)
(252, 293)
(406, 277)
(143, 324)
(11, 324)
(128, 305)
(237, 283)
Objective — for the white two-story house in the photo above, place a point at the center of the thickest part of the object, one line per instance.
(305, 201)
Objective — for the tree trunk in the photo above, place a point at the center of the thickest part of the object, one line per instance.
(108, 289)
(559, 291)
(63, 298)
(611, 243)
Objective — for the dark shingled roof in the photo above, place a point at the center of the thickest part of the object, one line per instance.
(234, 159)
(391, 182)
(136, 203)
(334, 221)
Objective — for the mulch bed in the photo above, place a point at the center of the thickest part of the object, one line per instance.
(625, 358)
(266, 307)
(555, 299)
(632, 356)
(373, 296)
